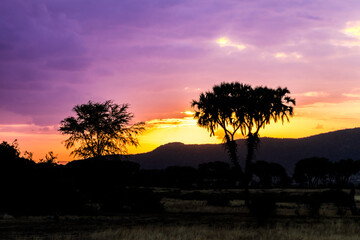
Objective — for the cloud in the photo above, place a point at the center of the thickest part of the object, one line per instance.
(170, 123)
(55, 54)
(225, 42)
(351, 95)
(352, 29)
(21, 129)
(313, 94)
(319, 126)
(351, 37)
(293, 55)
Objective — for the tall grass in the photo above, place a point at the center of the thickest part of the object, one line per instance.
(276, 229)
(327, 230)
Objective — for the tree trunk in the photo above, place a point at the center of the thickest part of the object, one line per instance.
(251, 146)
(352, 203)
(231, 148)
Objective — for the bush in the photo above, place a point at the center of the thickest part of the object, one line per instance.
(132, 200)
(262, 207)
(219, 200)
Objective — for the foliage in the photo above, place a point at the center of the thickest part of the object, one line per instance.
(100, 129)
(10, 160)
(220, 200)
(219, 108)
(216, 175)
(180, 176)
(132, 200)
(50, 159)
(315, 172)
(270, 174)
(239, 107)
(312, 171)
(9, 151)
(343, 169)
(262, 207)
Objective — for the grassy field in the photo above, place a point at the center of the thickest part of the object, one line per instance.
(188, 218)
(321, 231)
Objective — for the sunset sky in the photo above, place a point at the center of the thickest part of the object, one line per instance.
(159, 55)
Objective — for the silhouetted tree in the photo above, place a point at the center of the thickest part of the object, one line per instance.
(100, 129)
(312, 171)
(16, 178)
(10, 158)
(218, 109)
(180, 176)
(342, 170)
(238, 107)
(215, 174)
(262, 106)
(269, 174)
(9, 151)
(50, 159)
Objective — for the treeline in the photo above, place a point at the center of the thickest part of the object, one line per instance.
(81, 188)
(109, 185)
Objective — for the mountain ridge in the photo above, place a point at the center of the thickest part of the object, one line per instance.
(335, 145)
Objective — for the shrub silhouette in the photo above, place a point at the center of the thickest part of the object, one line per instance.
(262, 207)
(132, 200)
(312, 171)
(220, 200)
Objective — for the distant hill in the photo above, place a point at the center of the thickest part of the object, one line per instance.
(336, 145)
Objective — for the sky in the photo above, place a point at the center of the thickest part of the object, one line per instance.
(159, 55)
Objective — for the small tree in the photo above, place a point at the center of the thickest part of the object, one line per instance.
(50, 159)
(100, 129)
(9, 151)
(312, 171)
(343, 170)
(269, 174)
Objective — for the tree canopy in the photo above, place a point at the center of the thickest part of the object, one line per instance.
(223, 108)
(100, 129)
(312, 171)
(237, 107)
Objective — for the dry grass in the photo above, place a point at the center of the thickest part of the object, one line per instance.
(335, 230)
(200, 206)
(195, 220)
(279, 229)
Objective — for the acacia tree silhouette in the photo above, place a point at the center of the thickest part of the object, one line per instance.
(100, 129)
(235, 106)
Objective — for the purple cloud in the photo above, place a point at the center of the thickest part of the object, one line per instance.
(56, 54)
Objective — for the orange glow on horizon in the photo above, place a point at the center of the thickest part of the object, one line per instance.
(308, 120)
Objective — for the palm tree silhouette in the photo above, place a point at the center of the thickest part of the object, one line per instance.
(263, 106)
(217, 109)
(235, 106)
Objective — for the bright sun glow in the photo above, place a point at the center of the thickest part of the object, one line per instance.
(353, 29)
(280, 55)
(225, 42)
(222, 42)
(188, 113)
